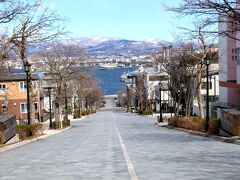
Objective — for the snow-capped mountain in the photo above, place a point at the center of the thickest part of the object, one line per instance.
(115, 46)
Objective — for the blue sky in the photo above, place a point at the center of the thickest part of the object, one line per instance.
(130, 19)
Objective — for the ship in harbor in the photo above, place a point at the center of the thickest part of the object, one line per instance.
(105, 66)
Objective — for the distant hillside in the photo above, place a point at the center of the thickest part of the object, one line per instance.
(111, 46)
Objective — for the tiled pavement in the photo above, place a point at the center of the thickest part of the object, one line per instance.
(91, 150)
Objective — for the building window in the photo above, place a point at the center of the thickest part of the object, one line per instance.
(23, 86)
(23, 107)
(36, 107)
(204, 85)
(211, 98)
(3, 88)
(232, 51)
(238, 56)
(232, 58)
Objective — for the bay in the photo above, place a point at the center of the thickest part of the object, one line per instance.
(110, 79)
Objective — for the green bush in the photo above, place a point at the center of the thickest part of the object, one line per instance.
(25, 130)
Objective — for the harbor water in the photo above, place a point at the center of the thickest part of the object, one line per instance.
(110, 79)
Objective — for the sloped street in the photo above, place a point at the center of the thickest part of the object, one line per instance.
(118, 145)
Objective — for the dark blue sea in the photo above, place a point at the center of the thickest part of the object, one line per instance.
(110, 80)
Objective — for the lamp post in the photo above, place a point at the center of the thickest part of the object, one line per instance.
(160, 102)
(182, 87)
(50, 106)
(184, 90)
(207, 63)
(27, 67)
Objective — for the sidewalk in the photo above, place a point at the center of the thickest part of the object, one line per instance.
(234, 140)
(165, 118)
(46, 133)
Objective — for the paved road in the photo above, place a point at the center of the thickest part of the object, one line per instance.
(92, 150)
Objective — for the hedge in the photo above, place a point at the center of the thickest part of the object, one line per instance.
(25, 130)
(194, 123)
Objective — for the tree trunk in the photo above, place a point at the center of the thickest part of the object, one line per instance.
(23, 55)
(31, 100)
(58, 110)
(79, 105)
(199, 96)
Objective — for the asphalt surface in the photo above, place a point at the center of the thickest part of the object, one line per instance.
(117, 145)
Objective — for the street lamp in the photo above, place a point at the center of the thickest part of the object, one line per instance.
(50, 106)
(27, 67)
(160, 102)
(207, 63)
(184, 90)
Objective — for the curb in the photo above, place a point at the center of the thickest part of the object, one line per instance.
(232, 140)
(16, 145)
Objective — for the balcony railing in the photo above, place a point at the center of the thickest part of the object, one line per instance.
(227, 105)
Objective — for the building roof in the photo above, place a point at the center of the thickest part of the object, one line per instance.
(15, 75)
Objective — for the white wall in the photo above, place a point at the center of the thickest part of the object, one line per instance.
(223, 94)
(238, 74)
(215, 86)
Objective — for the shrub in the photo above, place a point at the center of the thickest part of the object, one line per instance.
(75, 114)
(25, 130)
(213, 126)
(191, 123)
(94, 111)
(84, 113)
(56, 124)
(65, 123)
(47, 116)
(36, 129)
(195, 123)
(139, 111)
(2, 138)
(147, 112)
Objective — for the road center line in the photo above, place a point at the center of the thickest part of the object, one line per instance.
(128, 161)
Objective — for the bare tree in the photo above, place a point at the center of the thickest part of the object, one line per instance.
(12, 9)
(212, 12)
(87, 92)
(10, 12)
(62, 65)
(186, 69)
(37, 25)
